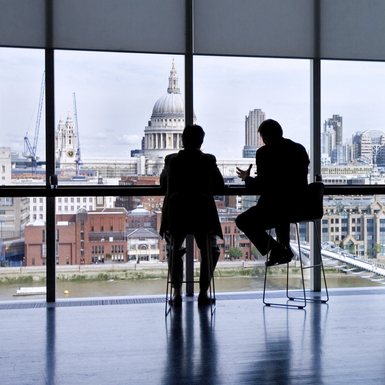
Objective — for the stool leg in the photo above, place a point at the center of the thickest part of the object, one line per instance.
(287, 276)
(320, 300)
(169, 270)
(267, 258)
(210, 266)
(291, 298)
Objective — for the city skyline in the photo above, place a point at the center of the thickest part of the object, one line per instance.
(116, 92)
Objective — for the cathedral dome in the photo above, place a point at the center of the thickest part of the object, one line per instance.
(169, 105)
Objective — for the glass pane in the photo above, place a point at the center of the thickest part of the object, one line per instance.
(22, 117)
(117, 114)
(353, 240)
(233, 95)
(353, 135)
(113, 243)
(22, 249)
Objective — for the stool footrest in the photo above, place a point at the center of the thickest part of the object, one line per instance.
(312, 266)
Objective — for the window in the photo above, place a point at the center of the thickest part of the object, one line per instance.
(241, 75)
(257, 73)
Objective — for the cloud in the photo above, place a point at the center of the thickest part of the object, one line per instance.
(130, 139)
(100, 135)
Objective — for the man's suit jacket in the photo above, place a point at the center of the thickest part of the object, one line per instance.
(282, 168)
(189, 172)
(281, 181)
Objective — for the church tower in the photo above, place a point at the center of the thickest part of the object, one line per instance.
(66, 142)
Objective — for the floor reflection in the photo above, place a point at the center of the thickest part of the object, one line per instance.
(191, 346)
(50, 348)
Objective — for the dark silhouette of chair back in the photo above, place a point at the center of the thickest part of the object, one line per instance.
(188, 213)
(312, 208)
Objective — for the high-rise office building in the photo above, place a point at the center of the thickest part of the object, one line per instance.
(335, 123)
(252, 139)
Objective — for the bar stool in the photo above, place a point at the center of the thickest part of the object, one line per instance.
(312, 212)
(188, 215)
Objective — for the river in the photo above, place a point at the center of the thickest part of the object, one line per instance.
(116, 288)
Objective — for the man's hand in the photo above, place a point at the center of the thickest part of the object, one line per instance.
(244, 173)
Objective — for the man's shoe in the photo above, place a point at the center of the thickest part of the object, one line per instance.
(288, 256)
(276, 254)
(176, 301)
(204, 300)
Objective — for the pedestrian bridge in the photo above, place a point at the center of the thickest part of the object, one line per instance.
(333, 255)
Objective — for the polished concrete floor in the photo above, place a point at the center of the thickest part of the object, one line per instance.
(129, 341)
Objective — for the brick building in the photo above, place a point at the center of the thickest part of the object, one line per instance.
(150, 203)
(97, 236)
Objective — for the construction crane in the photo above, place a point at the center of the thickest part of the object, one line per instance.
(29, 150)
(78, 158)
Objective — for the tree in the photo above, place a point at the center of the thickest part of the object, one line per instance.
(235, 252)
(255, 252)
(377, 249)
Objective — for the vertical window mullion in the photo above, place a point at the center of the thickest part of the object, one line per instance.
(315, 167)
(50, 170)
(189, 119)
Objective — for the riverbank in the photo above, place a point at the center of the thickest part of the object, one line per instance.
(134, 271)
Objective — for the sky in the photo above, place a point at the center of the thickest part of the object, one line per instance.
(116, 92)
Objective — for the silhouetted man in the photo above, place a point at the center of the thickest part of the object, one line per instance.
(282, 167)
(190, 172)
